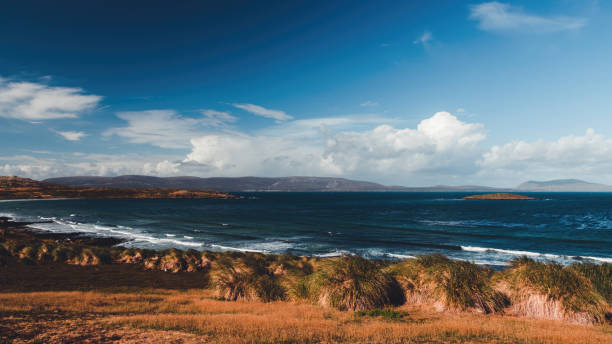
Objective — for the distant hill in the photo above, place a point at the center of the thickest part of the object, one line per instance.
(564, 185)
(251, 184)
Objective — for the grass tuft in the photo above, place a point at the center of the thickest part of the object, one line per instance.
(567, 285)
(352, 283)
(454, 284)
(246, 279)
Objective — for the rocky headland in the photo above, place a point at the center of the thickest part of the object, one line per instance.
(24, 188)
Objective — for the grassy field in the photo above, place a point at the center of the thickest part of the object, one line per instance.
(132, 314)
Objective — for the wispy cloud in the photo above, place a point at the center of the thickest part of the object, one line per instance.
(497, 16)
(167, 128)
(35, 102)
(424, 38)
(218, 118)
(72, 135)
(262, 111)
(369, 103)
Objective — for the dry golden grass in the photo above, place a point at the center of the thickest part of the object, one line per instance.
(195, 316)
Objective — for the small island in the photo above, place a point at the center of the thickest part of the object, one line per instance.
(500, 196)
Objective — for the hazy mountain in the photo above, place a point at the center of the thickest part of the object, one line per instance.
(310, 184)
(250, 184)
(564, 185)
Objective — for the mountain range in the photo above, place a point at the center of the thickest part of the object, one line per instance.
(310, 184)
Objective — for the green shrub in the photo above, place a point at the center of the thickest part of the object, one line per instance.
(352, 283)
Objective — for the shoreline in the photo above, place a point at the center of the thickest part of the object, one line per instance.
(50, 279)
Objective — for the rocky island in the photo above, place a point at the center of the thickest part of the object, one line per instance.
(500, 196)
(24, 188)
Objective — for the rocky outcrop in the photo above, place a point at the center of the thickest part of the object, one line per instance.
(500, 196)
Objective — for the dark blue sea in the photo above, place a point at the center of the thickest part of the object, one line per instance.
(563, 227)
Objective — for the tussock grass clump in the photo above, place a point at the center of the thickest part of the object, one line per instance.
(600, 276)
(551, 290)
(448, 284)
(91, 256)
(352, 283)
(246, 279)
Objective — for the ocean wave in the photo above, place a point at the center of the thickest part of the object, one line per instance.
(336, 253)
(400, 256)
(510, 252)
(130, 234)
(229, 248)
(535, 254)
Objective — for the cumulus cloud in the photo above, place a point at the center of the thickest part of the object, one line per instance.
(439, 142)
(35, 102)
(166, 128)
(261, 111)
(71, 135)
(496, 16)
(568, 156)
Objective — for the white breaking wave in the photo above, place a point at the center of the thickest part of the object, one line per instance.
(400, 256)
(336, 253)
(600, 259)
(260, 247)
(533, 254)
(132, 235)
(229, 248)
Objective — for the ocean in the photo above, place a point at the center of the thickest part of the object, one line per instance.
(561, 227)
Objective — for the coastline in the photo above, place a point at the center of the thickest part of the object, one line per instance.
(41, 262)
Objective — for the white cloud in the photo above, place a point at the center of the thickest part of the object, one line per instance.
(72, 135)
(439, 142)
(218, 118)
(496, 16)
(424, 38)
(569, 156)
(88, 164)
(166, 128)
(369, 103)
(35, 102)
(261, 111)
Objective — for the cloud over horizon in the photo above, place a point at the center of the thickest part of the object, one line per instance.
(440, 149)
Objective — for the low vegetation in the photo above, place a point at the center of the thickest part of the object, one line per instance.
(579, 293)
(352, 283)
(551, 290)
(448, 284)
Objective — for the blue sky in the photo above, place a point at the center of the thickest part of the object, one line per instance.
(409, 93)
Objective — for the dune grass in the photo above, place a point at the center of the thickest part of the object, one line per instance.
(247, 278)
(580, 292)
(451, 284)
(566, 285)
(352, 283)
(600, 276)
